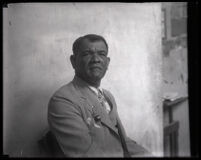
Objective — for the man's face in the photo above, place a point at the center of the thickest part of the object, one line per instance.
(91, 61)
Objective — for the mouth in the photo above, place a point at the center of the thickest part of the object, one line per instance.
(95, 67)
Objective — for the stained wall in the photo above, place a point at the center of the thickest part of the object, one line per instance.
(175, 70)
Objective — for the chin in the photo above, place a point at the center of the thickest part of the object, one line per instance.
(96, 78)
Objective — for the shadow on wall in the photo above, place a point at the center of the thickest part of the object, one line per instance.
(27, 122)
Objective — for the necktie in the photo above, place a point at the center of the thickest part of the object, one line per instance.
(103, 101)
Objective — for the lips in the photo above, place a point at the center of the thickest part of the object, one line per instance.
(95, 67)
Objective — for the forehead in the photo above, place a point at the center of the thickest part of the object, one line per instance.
(92, 45)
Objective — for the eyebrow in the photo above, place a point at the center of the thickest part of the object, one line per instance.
(91, 50)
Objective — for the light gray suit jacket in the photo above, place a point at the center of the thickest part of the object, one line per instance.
(71, 117)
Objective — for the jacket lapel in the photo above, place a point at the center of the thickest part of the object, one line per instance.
(113, 112)
(93, 103)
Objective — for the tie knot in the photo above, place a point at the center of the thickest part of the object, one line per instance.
(100, 95)
(103, 101)
(99, 92)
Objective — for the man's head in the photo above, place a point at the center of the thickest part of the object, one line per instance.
(90, 59)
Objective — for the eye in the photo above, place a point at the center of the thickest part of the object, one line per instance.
(102, 53)
(86, 53)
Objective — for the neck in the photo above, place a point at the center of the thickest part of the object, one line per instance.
(93, 83)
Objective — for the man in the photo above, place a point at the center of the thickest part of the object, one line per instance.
(82, 116)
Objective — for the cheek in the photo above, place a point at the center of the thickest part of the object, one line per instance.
(82, 64)
(106, 63)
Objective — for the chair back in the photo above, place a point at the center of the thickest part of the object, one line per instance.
(49, 146)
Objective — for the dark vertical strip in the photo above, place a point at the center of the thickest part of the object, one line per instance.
(1, 19)
(193, 32)
(170, 114)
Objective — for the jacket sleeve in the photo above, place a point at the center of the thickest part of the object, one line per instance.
(134, 149)
(70, 130)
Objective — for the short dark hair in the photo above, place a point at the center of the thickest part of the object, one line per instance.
(90, 37)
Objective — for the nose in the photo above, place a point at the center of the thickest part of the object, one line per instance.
(95, 58)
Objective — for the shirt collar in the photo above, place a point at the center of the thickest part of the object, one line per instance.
(95, 90)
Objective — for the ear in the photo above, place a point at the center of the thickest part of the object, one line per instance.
(108, 61)
(72, 60)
